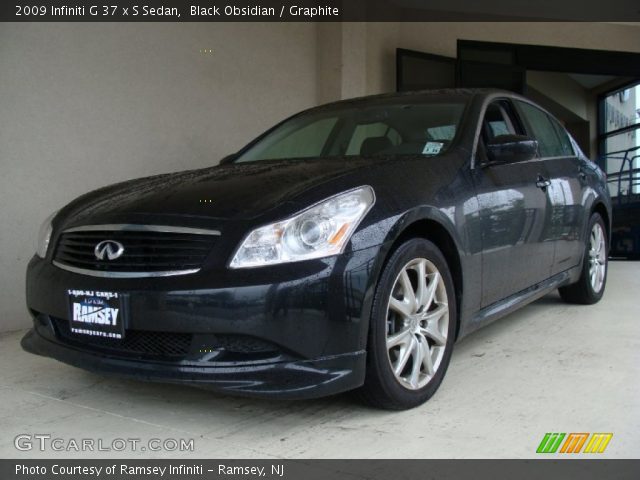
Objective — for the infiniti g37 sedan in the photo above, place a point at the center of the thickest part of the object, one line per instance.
(348, 247)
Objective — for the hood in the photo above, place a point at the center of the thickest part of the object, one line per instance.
(225, 192)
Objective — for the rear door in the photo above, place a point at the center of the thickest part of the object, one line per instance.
(516, 249)
(567, 215)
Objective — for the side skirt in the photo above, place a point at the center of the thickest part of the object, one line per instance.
(518, 300)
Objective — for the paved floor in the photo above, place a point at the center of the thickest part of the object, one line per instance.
(550, 367)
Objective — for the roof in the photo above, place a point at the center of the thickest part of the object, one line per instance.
(450, 92)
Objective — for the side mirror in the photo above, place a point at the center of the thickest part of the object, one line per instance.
(228, 159)
(511, 149)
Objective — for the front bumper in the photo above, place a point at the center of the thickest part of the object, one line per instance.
(288, 380)
(309, 322)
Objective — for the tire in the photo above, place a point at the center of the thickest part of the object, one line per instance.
(593, 279)
(410, 327)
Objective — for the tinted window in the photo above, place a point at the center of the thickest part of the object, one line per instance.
(307, 141)
(565, 142)
(363, 132)
(499, 128)
(542, 128)
(497, 121)
(425, 128)
(444, 132)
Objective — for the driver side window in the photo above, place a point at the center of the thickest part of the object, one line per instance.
(498, 120)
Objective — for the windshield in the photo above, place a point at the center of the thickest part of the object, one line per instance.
(388, 129)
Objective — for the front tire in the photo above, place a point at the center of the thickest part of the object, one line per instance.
(412, 328)
(590, 287)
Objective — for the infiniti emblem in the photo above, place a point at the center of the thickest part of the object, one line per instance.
(108, 248)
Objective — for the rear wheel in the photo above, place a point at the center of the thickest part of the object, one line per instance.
(590, 287)
(412, 328)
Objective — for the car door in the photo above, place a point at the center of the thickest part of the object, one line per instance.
(516, 251)
(567, 215)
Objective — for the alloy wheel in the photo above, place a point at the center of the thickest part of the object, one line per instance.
(597, 258)
(417, 323)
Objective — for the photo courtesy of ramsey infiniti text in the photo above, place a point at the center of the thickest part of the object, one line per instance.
(348, 247)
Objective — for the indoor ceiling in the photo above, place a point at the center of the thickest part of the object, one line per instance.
(591, 81)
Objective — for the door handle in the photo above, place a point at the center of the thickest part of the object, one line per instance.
(542, 183)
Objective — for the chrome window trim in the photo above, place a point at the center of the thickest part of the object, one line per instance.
(100, 273)
(511, 97)
(142, 228)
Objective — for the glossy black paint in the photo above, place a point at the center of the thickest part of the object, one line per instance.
(512, 149)
(508, 236)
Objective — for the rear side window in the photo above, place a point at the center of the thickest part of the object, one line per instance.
(565, 141)
(543, 129)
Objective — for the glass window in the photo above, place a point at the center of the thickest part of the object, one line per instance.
(566, 147)
(426, 128)
(619, 139)
(542, 128)
(499, 127)
(445, 132)
(306, 141)
(619, 144)
(620, 109)
(371, 130)
(496, 121)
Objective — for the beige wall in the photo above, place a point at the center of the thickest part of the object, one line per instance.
(83, 106)
(342, 60)
(562, 89)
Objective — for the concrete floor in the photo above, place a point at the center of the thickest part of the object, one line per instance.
(550, 367)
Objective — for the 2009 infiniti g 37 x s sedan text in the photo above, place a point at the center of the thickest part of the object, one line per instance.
(348, 247)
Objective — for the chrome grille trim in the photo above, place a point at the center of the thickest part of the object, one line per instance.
(99, 273)
(62, 263)
(141, 228)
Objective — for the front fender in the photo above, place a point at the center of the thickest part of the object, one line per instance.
(402, 226)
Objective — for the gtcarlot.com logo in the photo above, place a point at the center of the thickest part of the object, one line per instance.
(573, 442)
(44, 442)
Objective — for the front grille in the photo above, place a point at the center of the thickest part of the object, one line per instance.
(145, 251)
(172, 346)
(244, 344)
(135, 342)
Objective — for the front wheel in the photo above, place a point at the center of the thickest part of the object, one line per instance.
(412, 328)
(590, 287)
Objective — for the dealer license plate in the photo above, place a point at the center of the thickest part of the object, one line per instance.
(96, 313)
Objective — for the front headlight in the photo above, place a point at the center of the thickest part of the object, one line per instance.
(320, 231)
(44, 236)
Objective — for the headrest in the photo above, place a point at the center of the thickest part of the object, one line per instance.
(374, 145)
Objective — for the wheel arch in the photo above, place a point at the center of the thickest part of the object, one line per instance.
(599, 207)
(431, 225)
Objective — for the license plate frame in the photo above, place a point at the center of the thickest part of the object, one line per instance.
(97, 313)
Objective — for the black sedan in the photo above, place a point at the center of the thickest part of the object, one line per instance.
(348, 247)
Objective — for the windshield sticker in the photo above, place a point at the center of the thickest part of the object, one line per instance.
(432, 148)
